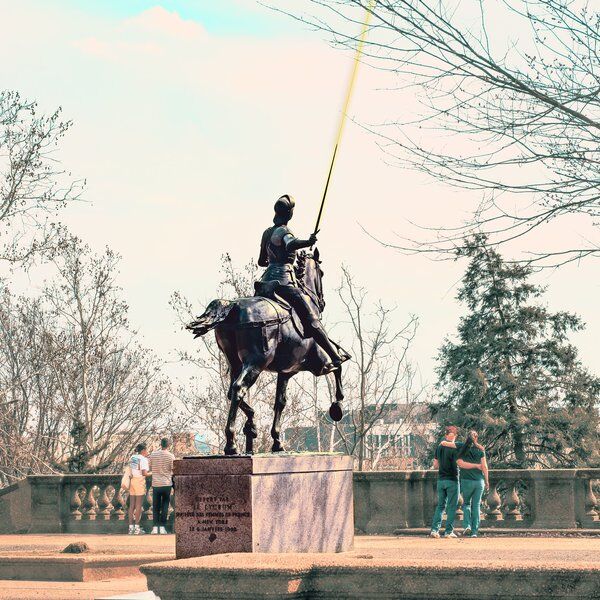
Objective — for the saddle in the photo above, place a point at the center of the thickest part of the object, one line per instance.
(266, 290)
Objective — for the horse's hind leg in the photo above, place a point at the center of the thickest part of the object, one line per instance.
(280, 402)
(239, 386)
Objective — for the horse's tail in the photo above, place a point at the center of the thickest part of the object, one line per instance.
(216, 312)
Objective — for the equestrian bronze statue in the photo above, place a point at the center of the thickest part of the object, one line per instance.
(277, 330)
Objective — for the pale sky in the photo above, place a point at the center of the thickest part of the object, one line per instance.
(192, 117)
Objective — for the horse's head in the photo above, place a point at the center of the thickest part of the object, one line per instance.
(308, 269)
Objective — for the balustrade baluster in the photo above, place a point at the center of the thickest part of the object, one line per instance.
(90, 504)
(512, 503)
(75, 513)
(591, 502)
(120, 504)
(104, 503)
(147, 514)
(493, 502)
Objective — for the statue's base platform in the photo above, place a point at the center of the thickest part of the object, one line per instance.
(263, 503)
(393, 568)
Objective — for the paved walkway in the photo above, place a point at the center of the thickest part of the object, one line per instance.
(52, 543)
(569, 553)
(68, 590)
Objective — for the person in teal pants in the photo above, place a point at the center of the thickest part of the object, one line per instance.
(473, 479)
(447, 486)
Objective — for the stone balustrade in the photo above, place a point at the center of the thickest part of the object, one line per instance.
(384, 502)
(84, 504)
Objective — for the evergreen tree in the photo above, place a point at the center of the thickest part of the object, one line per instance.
(513, 375)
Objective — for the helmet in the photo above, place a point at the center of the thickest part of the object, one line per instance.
(284, 205)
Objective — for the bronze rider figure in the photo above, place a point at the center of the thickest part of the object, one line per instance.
(278, 249)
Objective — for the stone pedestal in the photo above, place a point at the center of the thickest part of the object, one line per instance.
(263, 503)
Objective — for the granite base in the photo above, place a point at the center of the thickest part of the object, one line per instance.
(263, 503)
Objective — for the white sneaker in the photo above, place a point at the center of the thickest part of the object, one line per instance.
(451, 535)
(139, 531)
(467, 531)
(155, 531)
(162, 530)
(434, 534)
(131, 530)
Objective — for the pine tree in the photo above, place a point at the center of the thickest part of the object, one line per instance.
(512, 374)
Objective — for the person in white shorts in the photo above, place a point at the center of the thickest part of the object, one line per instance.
(140, 469)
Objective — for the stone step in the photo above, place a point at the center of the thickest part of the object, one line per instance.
(74, 568)
(381, 582)
(399, 568)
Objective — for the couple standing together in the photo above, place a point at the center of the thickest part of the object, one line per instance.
(468, 459)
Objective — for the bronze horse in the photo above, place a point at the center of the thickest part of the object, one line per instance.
(260, 334)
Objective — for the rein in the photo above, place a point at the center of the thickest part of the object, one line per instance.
(301, 273)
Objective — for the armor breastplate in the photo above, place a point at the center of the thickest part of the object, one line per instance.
(281, 261)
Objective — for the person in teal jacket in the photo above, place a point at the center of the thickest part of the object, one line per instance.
(474, 479)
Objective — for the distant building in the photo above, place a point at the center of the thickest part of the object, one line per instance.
(398, 435)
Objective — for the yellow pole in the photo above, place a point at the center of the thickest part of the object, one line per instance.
(359, 48)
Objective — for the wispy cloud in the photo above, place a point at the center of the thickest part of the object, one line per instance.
(159, 20)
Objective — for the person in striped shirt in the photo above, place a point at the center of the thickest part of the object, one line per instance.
(161, 465)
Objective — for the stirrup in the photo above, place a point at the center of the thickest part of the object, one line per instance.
(330, 366)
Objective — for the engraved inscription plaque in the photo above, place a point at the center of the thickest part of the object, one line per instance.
(214, 517)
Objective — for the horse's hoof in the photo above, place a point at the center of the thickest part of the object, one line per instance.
(277, 447)
(230, 451)
(335, 411)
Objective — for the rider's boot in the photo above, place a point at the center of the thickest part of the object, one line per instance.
(321, 338)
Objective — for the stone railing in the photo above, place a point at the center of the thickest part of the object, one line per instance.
(84, 504)
(384, 502)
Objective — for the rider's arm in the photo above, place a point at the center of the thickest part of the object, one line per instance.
(293, 243)
(463, 464)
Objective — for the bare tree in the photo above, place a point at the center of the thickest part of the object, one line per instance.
(379, 381)
(511, 110)
(112, 390)
(77, 391)
(30, 424)
(33, 185)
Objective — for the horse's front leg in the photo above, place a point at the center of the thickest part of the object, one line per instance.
(249, 427)
(335, 410)
(239, 386)
(280, 402)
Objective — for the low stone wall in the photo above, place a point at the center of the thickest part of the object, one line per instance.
(82, 504)
(15, 508)
(384, 502)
